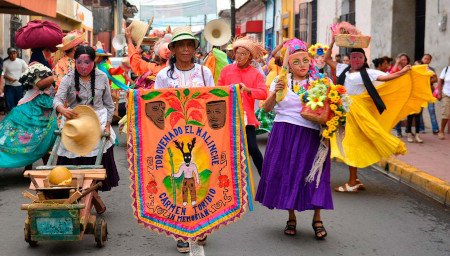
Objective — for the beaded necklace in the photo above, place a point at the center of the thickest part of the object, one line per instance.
(297, 88)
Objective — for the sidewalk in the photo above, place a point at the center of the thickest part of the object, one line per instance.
(425, 167)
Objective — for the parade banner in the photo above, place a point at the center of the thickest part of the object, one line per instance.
(188, 159)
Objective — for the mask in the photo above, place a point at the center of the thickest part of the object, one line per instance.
(299, 63)
(320, 61)
(84, 65)
(357, 60)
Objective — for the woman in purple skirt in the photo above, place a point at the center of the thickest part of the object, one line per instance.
(292, 148)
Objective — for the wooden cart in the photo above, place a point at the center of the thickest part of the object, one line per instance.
(63, 213)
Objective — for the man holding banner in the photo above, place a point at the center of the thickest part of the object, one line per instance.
(186, 149)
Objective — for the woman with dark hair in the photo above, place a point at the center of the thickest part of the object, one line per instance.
(27, 132)
(87, 85)
(66, 64)
(366, 140)
(182, 72)
(37, 55)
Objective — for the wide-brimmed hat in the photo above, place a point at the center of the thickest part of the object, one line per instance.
(99, 51)
(217, 32)
(255, 48)
(82, 134)
(72, 39)
(183, 33)
(139, 30)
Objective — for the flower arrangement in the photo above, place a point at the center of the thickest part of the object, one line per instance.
(326, 103)
(318, 49)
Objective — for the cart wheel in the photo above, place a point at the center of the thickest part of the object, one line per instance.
(100, 232)
(27, 233)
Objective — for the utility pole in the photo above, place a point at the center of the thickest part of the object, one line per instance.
(119, 16)
(233, 19)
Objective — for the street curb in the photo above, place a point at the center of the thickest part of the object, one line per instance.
(417, 179)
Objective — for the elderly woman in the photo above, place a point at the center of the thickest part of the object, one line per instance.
(87, 85)
(252, 84)
(291, 149)
(182, 72)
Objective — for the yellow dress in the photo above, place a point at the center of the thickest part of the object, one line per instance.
(274, 72)
(367, 137)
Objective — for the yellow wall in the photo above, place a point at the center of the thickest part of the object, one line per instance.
(287, 8)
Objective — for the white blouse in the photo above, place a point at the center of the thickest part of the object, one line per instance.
(353, 81)
(289, 109)
(184, 79)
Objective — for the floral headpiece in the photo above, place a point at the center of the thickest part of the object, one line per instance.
(318, 49)
(296, 44)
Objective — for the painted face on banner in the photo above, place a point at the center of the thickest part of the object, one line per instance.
(357, 60)
(155, 112)
(217, 114)
(84, 64)
(299, 63)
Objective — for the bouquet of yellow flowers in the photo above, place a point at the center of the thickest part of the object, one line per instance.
(325, 103)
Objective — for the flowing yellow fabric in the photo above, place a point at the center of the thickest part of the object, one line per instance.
(367, 133)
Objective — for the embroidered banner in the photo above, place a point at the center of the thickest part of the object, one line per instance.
(188, 159)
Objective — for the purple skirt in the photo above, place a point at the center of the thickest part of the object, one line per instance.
(288, 160)
(112, 176)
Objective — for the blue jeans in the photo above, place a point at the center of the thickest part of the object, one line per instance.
(433, 120)
(398, 128)
(12, 95)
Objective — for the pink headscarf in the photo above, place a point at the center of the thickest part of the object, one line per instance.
(296, 44)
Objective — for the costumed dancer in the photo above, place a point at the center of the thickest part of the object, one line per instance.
(373, 112)
(66, 64)
(27, 132)
(292, 147)
(182, 72)
(118, 78)
(251, 82)
(87, 85)
(274, 64)
(138, 65)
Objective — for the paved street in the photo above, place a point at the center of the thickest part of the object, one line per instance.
(387, 219)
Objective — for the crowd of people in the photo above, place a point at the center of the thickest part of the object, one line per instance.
(82, 75)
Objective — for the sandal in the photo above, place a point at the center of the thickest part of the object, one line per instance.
(202, 241)
(347, 188)
(290, 228)
(319, 229)
(360, 185)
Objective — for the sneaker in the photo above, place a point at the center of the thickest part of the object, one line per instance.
(399, 135)
(183, 247)
(441, 136)
(422, 131)
(410, 137)
(418, 139)
(436, 132)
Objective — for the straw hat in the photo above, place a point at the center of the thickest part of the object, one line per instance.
(99, 50)
(183, 33)
(72, 39)
(254, 47)
(217, 32)
(139, 29)
(82, 134)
